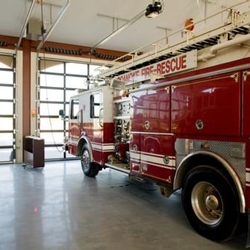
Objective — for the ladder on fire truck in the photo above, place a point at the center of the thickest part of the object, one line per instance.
(214, 38)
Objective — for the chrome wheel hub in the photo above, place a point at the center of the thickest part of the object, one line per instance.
(207, 203)
(212, 202)
(85, 160)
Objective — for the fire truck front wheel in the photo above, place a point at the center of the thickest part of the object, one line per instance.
(89, 168)
(210, 203)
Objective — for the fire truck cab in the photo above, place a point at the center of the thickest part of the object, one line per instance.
(188, 130)
(91, 128)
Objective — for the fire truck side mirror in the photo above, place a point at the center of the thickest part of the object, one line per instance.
(61, 113)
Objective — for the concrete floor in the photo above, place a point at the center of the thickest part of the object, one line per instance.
(59, 208)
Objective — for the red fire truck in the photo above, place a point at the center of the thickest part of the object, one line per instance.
(188, 130)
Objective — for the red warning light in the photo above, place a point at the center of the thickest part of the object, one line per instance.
(33, 113)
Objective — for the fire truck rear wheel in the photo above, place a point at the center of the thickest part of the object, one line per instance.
(89, 168)
(210, 203)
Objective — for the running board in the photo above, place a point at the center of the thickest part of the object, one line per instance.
(118, 168)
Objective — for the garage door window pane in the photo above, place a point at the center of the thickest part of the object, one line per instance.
(76, 69)
(6, 93)
(6, 124)
(52, 153)
(6, 139)
(52, 138)
(6, 62)
(50, 109)
(51, 124)
(6, 108)
(93, 70)
(76, 82)
(51, 95)
(51, 66)
(70, 93)
(6, 77)
(6, 154)
(51, 81)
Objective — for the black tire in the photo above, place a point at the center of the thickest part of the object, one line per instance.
(89, 168)
(210, 203)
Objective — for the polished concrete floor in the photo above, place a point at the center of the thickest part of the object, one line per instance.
(59, 208)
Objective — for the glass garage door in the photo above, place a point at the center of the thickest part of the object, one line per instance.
(58, 81)
(7, 109)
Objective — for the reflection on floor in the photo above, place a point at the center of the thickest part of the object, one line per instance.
(59, 208)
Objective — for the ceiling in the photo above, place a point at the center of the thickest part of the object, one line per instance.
(87, 23)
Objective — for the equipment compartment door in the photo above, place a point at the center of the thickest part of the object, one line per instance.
(157, 157)
(208, 106)
(152, 144)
